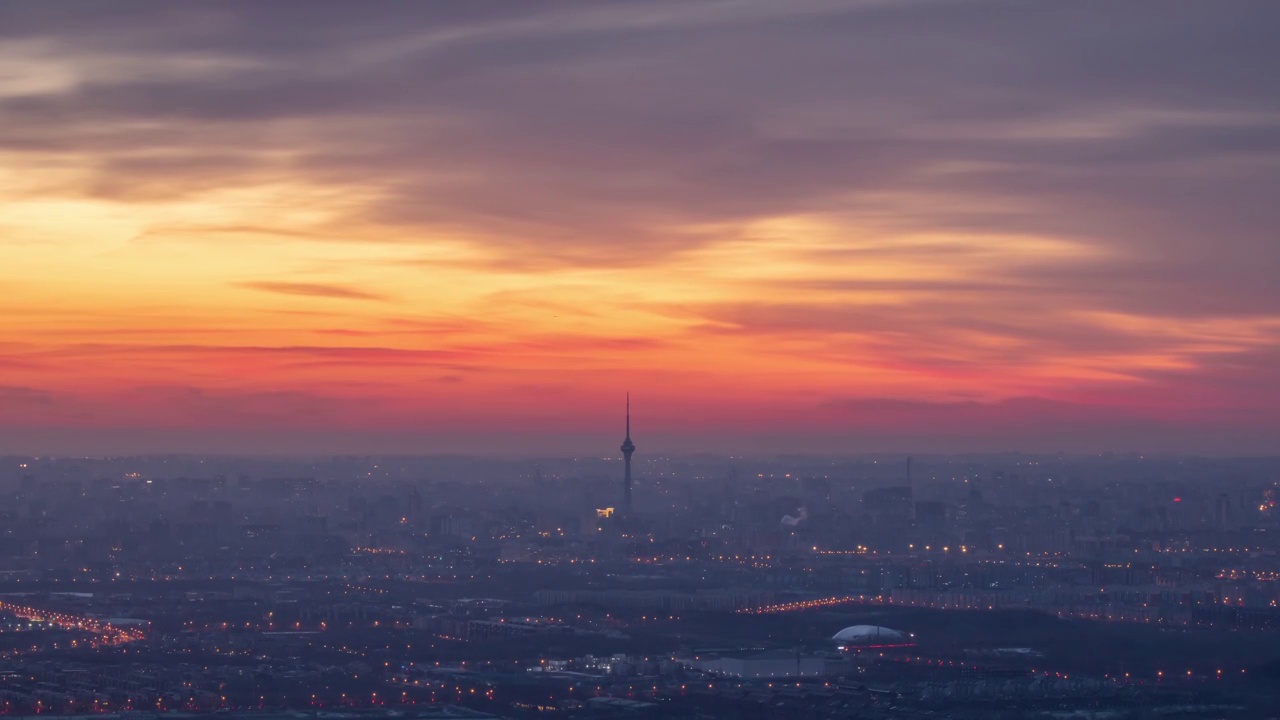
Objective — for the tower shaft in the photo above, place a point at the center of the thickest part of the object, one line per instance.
(626, 484)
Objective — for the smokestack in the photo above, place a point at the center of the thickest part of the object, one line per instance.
(911, 491)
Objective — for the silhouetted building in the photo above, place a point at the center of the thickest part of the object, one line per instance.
(628, 448)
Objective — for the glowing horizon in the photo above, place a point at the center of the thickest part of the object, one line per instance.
(244, 227)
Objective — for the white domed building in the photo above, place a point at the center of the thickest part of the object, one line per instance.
(866, 637)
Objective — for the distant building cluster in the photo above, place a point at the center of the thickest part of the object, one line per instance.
(675, 587)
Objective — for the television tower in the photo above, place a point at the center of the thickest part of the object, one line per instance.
(628, 447)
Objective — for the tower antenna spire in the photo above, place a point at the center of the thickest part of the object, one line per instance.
(628, 447)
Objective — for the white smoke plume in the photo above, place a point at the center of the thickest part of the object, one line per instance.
(794, 520)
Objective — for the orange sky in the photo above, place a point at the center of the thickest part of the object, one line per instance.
(218, 245)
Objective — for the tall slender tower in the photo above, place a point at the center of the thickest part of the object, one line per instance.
(628, 447)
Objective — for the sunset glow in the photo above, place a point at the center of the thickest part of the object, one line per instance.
(238, 229)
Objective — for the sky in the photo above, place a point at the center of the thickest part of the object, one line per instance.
(811, 225)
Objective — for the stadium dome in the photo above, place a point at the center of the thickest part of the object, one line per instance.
(869, 634)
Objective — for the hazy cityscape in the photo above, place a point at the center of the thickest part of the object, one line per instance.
(888, 586)
(648, 359)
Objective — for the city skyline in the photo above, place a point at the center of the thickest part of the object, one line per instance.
(812, 226)
(952, 325)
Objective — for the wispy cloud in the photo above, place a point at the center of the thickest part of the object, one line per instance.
(746, 204)
(340, 292)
